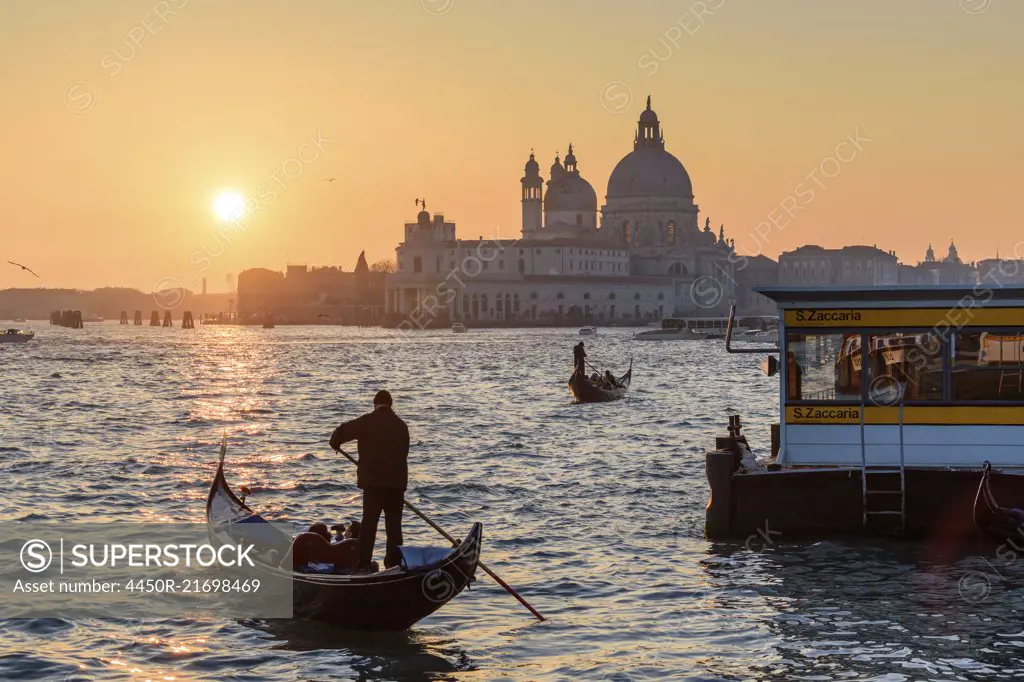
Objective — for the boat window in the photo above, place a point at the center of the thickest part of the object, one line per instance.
(905, 365)
(823, 367)
(988, 365)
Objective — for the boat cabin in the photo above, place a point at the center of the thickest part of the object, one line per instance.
(891, 402)
(943, 363)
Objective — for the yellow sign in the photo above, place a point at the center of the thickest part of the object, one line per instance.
(833, 414)
(913, 414)
(952, 317)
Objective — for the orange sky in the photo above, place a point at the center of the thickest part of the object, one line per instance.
(121, 120)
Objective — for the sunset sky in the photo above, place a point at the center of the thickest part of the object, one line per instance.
(122, 120)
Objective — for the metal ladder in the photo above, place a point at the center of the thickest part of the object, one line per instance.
(877, 474)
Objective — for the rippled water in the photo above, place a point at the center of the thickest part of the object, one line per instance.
(594, 512)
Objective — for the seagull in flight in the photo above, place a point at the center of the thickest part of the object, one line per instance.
(329, 179)
(23, 267)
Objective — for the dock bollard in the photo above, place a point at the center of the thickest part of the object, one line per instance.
(719, 466)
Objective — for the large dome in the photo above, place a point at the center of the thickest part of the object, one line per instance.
(649, 172)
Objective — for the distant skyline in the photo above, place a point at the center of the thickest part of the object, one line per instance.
(124, 122)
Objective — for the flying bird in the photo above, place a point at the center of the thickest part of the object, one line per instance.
(329, 179)
(23, 267)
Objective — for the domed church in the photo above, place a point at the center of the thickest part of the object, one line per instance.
(637, 260)
(649, 209)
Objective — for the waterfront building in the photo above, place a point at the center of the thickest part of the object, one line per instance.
(305, 295)
(1004, 271)
(949, 270)
(849, 265)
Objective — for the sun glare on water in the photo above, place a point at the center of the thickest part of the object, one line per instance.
(229, 206)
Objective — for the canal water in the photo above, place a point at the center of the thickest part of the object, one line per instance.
(594, 512)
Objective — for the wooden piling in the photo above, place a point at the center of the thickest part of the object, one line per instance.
(186, 320)
(154, 319)
(168, 322)
(124, 317)
(138, 318)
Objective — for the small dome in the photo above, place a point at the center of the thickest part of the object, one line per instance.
(570, 193)
(423, 218)
(556, 168)
(532, 165)
(648, 116)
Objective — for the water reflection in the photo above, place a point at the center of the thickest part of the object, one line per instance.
(852, 608)
(406, 655)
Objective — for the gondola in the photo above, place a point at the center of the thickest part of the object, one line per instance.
(999, 524)
(586, 391)
(393, 599)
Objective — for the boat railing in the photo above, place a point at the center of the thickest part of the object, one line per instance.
(824, 394)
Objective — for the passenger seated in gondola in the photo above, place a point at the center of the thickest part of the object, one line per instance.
(595, 378)
(315, 547)
(609, 380)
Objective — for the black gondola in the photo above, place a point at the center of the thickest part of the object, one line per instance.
(393, 599)
(586, 391)
(999, 524)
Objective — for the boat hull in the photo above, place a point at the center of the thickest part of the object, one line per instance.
(387, 602)
(828, 501)
(586, 391)
(17, 338)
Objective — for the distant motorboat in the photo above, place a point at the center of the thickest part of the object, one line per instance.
(92, 318)
(16, 336)
(767, 336)
(19, 319)
(588, 331)
(458, 328)
(688, 329)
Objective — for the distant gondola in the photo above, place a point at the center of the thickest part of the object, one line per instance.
(393, 599)
(586, 391)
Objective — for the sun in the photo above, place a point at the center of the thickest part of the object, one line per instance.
(229, 206)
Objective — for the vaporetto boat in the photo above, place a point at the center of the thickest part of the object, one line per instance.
(689, 329)
(892, 402)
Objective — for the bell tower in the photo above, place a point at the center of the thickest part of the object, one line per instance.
(533, 188)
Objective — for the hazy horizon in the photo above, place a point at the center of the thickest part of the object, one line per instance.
(127, 119)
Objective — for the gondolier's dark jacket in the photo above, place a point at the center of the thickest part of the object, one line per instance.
(383, 447)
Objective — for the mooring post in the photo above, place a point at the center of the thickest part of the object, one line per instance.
(138, 318)
(154, 319)
(124, 317)
(719, 466)
(186, 320)
(168, 322)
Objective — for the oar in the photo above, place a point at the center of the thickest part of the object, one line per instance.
(449, 538)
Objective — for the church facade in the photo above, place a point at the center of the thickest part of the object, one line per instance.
(641, 257)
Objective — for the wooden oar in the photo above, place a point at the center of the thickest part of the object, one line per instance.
(455, 543)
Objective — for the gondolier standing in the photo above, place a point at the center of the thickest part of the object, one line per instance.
(579, 358)
(383, 474)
